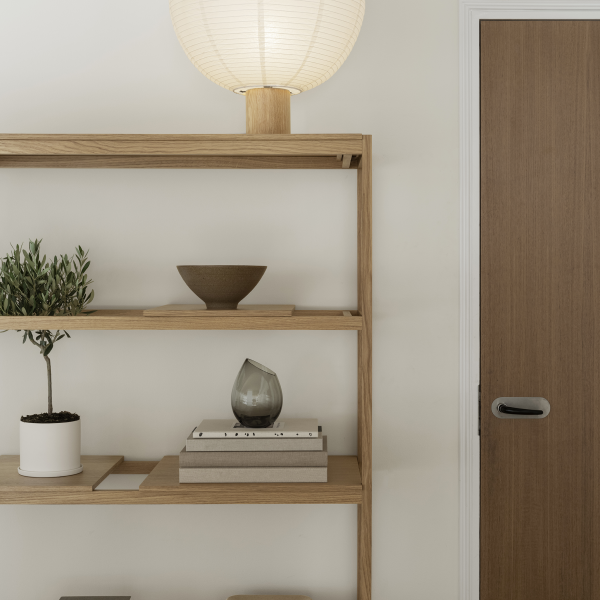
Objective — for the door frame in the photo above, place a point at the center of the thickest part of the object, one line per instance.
(471, 12)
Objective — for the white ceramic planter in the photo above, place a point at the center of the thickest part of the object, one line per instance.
(50, 449)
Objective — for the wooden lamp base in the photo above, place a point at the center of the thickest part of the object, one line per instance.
(268, 111)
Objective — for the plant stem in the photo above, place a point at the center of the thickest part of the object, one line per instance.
(45, 335)
(49, 369)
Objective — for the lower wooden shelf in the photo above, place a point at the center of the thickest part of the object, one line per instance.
(162, 485)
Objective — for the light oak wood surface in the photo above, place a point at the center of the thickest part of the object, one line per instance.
(162, 485)
(180, 137)
(172, 162)
(268, 111)
(243, 310)
(343, 487)
(184, 145)
(135, 319)
(365, 384)
(95, 470)
(134, 467)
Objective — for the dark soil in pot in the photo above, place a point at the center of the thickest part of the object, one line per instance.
(57, 417)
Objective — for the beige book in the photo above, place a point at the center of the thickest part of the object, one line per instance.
(253, 444)
(231, 428)
(300, 458)
(254, 475)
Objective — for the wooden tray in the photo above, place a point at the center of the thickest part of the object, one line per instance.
(243, 310)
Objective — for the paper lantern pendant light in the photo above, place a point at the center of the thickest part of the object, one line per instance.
(267, 50)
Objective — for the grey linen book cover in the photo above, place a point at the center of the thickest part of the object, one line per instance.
(254, 444)
(95, 598)
(254, 475)
(317, 458)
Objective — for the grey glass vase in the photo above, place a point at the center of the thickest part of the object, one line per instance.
(256, 398)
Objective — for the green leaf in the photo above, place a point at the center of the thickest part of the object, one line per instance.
(31, 285)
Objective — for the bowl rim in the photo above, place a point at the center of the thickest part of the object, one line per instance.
(223, 266)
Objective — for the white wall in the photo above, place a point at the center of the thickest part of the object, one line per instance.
(116, 67)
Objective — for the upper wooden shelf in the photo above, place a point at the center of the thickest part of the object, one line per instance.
(162, 485)
(321, 151)
(135, 319)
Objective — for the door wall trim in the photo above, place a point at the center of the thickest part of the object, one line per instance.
(471, 12)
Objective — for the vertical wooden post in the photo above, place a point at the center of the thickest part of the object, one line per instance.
(364, 205)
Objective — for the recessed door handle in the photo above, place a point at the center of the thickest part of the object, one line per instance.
(512, 410)
(520, 407)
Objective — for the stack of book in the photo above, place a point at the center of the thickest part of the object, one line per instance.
(223, 451)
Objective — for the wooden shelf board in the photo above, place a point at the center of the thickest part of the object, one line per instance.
(134, 467)
(162, 485)
(343, 487)
(178, 137)
(181, 145)
(135, 319)
(32, 161)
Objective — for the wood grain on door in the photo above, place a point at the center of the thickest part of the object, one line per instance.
(540, 308)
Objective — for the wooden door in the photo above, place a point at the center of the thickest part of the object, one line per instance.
(540, 308)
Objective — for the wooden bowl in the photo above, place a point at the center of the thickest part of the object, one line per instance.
(221, 287)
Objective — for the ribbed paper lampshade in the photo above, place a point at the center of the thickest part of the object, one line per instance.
(245, 44)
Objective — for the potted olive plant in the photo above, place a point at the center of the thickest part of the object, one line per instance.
(50, 442)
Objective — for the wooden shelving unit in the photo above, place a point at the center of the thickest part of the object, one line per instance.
(349, 477)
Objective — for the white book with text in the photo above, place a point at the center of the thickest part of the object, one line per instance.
(231, 429)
